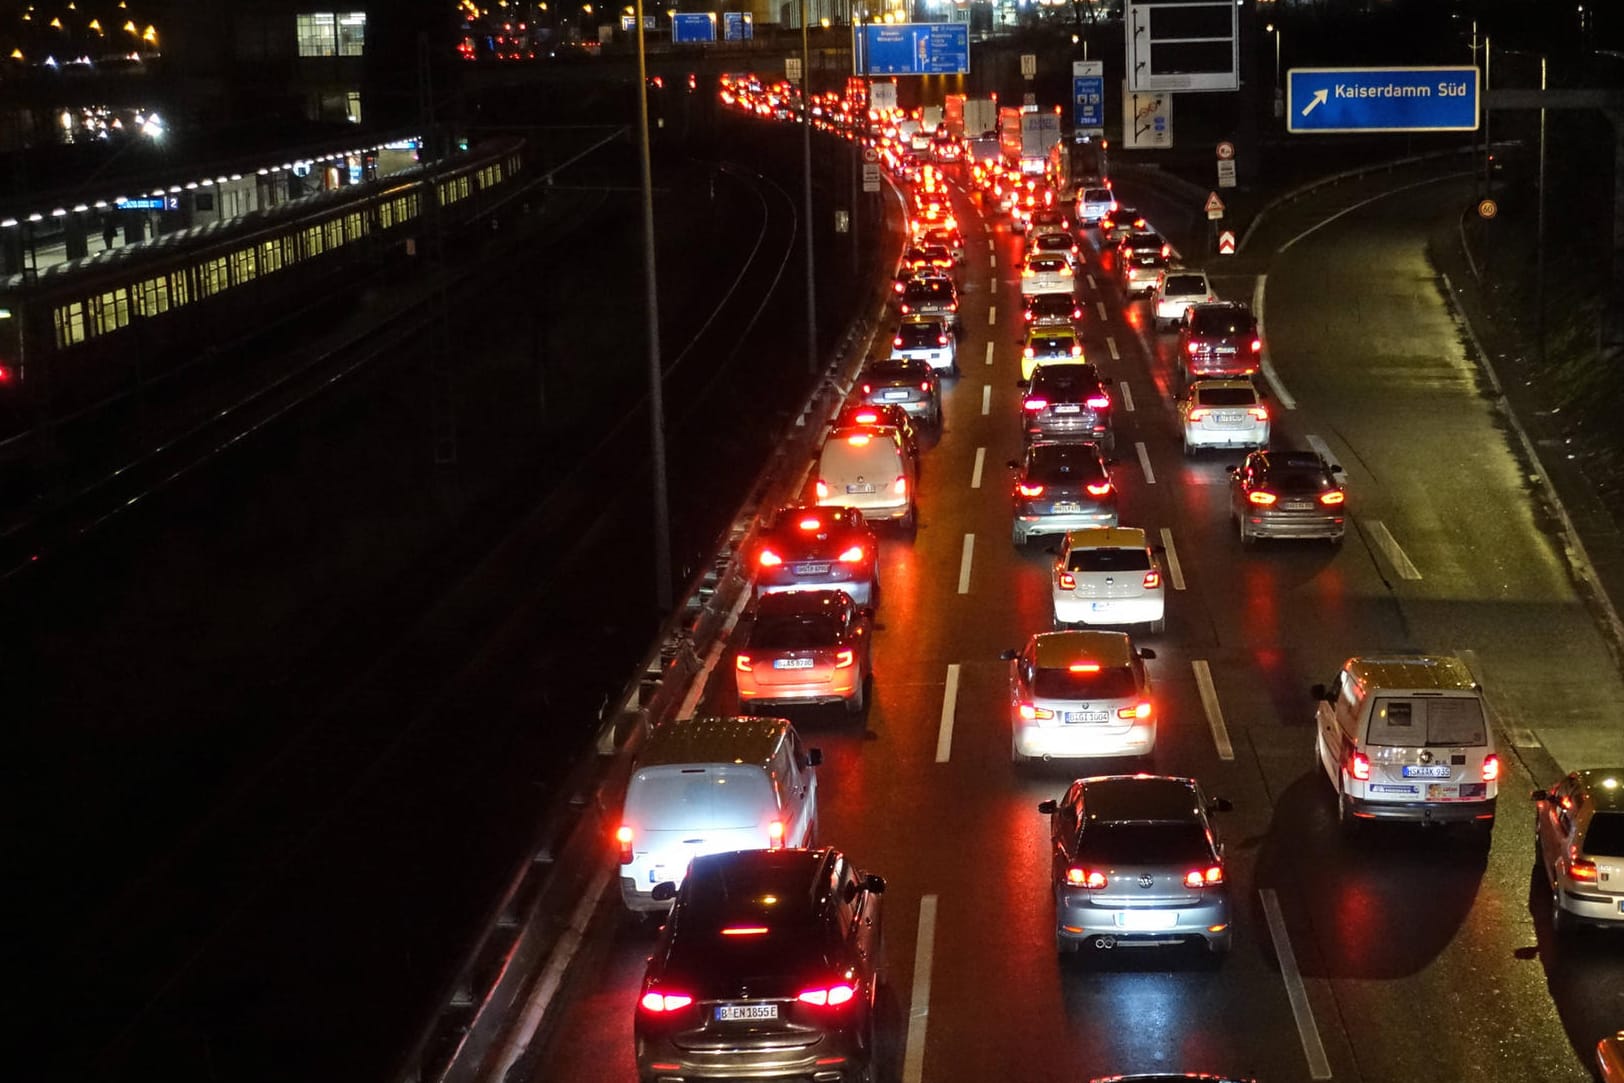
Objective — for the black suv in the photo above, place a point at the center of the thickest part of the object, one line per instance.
(1218, 338)
(931, 297)
(1060, 487)
(1067, 401)
(768, 964)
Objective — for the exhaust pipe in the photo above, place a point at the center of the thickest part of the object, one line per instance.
(1105, 943)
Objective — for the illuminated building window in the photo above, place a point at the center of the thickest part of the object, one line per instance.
(325, 33)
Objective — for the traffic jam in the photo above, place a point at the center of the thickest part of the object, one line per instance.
(771, 956)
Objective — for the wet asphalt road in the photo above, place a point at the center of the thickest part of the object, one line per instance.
(1418, 954)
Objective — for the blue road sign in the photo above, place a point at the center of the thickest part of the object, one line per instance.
(738, 26)
(915, 49)
(1088, 95)
(694, 27)
(1382, 99)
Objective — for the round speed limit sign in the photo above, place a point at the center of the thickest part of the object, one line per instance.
(1226, 152)
(1488, 208)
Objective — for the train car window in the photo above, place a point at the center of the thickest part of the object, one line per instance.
(355, 226)
(152, 297)
(270, 256)
(312, 242)
(110, 311)
(180, 287)
(70, 324)
(333, 232)
(213, 277)
(290, 250)
(244, 266)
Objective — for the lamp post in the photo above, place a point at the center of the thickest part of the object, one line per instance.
(806, 152)
(1279, 91)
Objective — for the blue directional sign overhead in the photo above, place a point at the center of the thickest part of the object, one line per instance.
(914, 49)
(1088, 95)
(1382, 99)
(738, 25)
(693, 27)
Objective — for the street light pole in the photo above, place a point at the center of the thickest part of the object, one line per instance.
(1279, 91)
(806, 153)
(1539, 233)
(656, 377)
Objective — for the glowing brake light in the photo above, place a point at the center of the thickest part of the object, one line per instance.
(941, 340)
(1029, 490)
(1030, 712)
(1029, 351)
(745, 930)
(1261, 498)
(743, 663)
(1333, 498)
(665, 1002)
(1192, 347)
(1198, 412)
(1102, 488)
(868, 417)
(1257, 345)
(1208, 877)
(1258, 413)
(925, 386)
(831, 997)
(6, 373)
(1153, 578)
(1034, 405)
(1582, 870)
(770, 559)
(775, 835)
(1359, 766)
(623, 838)
(806, 524)
(1076, 349)
(897, 341)
(844, 659)
(1491, 768)
(854, 555)
(900, 486)
(1167, 250)
(1092, 879)
(1098, 401)
(1138, 710)
(859, 439)
(823, 489)
(1068, 581)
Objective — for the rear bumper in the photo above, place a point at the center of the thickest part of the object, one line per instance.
(1083, 741)
(1108, 611)
(1439, 812)
(1196, 436)
(827, 1057)
(1266, 526)
(881, 509)
(1589, 905)
(1030, 526)
(1083, 924)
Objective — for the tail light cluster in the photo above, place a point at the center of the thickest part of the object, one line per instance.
(900, 486)
(1102, 488)
(854, 555)
(1068, 581)
(1138, 710)
(1153, 578)
(662, 1003)
(775, 835)
(830, 996)
(1491, 768)
(845, 658)
(1261, 497)
(1098, 401)
(1582, 870)
(1092, 879)
(1333, 498)
(623, 839)
(823, 489)
(1033, 713)
(1028, 489)
(1211, 876)
(743, 663)
(1035, 404)
(1257, 345)
(769, 559)
(1359, 766)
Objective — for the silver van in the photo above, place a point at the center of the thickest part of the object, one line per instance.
(868, 469)
(1406, 737)
(711, 785)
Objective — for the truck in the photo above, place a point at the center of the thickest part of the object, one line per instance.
(1039, 132)
(980, 117)
(983, 149)
(1075, 164)
(1009, 135)
(930, 118)
(882, 97)
(953, 115)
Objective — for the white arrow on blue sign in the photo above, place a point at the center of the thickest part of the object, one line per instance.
(1440, 99)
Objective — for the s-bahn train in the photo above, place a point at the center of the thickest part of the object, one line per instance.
(86, 330)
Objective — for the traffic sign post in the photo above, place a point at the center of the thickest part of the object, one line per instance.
(1226, 173)
(792, 69)
(691, 28)
(1088, 96)
(1029, 65)
(871, 177)
(914, 49)
(1437, 99)
(1215, 206)
(1226, 243)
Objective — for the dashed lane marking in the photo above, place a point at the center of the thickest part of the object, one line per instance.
(1144, 462)
(992, 317)
(1099, 306)
(950, 705)
(1127, 397)
(981, 461)
(1110, 344)
(913, 1057)
(1322, 449)
(989, 353)
(1391, 549)
(1319, 1066)
(964, 563)
(1174, 571)
(1091, 283)
(986, 399)
(1214, 712)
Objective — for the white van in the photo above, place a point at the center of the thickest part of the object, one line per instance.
(713, 785)
(869, 469)
(1405, 737)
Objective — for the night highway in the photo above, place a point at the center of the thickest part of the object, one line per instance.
(1405, 954)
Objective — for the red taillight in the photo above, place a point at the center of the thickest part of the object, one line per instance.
(900, 486)
(1035, 405)
(1083, 667)
(925, 386)
(1092, 879)
(899, 287)
(1029, 352)
(1099, 489)
(1167, 250)
(743, 664)
(845, 659)
(867, 388)
(770, 559)
(897, 341)
(831, 997)
(1261, 498)
(775, 835)
(1098, 401)
(1259, 413)
(1153, 578)
(1030, 712)
(1582, 870)
(954, 307)
(1192, 347)
(745, 930)
(867, 417)
(1333, 498)
(1028, 490)
(1491, 768)
(6, 373)
(1198, 412)
(1068, 581)
(1076, 350)
(623, 839)
(905, 309)
(941, 340)
(1257, 345)
(1359, 766)
(823, 489)
(665, 1002)
(1211, 876)
(854, 555)
(1138, 710)
(1027, 315)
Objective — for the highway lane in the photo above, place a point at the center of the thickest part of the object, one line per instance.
(1417, 953)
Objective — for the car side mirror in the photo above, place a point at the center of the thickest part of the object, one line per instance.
(1336, 468)
(1022, 384)
(814, 757)
(1013, 464)
(1107, 381)
(866, 611)
(1541, 795)
(1232, 470)
(1147, 654)
(1317, 691)
(1010, 655)
(664, 891)
(874, 884)
(1048, 808)
(1219, 804)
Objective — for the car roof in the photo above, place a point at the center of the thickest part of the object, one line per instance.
(1141, 798)
(1220, 306)
(787, 884)
(887, 367)
(1051, 330)
(1604, 786)
(924, 317)
(1107, 537)
(1057, 650)
(1144, 240)
(1065, 372)
(1412, 672)
(1236, 384)
(713, 739)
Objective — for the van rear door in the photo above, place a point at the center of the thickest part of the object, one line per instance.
(680, 811)
(1427, 748)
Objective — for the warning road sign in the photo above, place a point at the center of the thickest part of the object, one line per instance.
(1215, 206)
(1226, 243)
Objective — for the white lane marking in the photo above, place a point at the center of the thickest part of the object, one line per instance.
(1521, 736)
(992, 285)
(1091, 284)
(1391, 549)
(1110, 344)
(1099, 306)
(1144, 462)
(989, 353)
(696, 690)
(1174, 571)
(1322, 449)
(986, 399)
(1319, 1067)
(1267, 364)
(992, 317)
(992, 261)
(989, 244)
(964, 563)
(950, 705)
(1214, 712)
(913, 1059)
(1127, 397)
(1364, 203)
(981, 461)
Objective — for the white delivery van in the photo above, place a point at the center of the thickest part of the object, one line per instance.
(870, 470)
(1406, 737)
(708, 786)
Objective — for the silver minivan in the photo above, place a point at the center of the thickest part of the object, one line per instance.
(709, 786)
(1406, 737)
(868, 468)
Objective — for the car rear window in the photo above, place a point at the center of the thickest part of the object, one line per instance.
(1145, 243)
(1053, 343)
(1297, 480)
(1219, 322)
(1058, 381)
(1053, 242)
(1225, 396)
(929, 291)
(709, 797)
(1107, 682)
(798, 631)
(1064, 462)
(916, 335)
(1605, 836)
(1185, 284)
(1096, 195)
(1108, 560)
(1047, 263)
(1447, 721)
(1144, 844)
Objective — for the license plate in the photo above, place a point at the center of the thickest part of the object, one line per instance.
(1099, 607)
(733, 1013)
(811, 569)
(1061, 506)
(1228, 418)
(1426, 770)
(1068, 408)
(892, 396)
(792, 663)
(1297, 505)
(859, 488)
(1147, 919)
(1077, 717)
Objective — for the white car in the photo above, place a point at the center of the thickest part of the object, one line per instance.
(1080, 694)
(1094, 205)
(1223, 414)
(1107, 575)
(1176, 291)
(929, 339)
(1055, 244)
(1046, 274)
